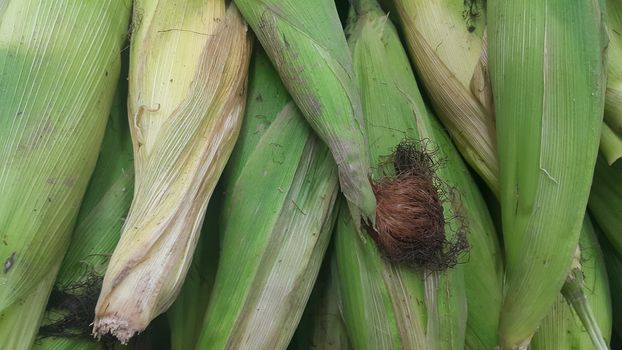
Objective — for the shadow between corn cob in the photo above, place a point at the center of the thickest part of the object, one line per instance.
(464, 29)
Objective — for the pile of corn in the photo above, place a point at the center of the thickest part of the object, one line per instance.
(289, 174)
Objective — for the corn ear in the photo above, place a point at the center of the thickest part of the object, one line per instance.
(305, 41)
(406, 309)
(548, 115)
(60, 64)
(445, 41)
(611, 142)
(563, 327)
(285, 190)
(188, 67)
(483, 271)
(383, 305)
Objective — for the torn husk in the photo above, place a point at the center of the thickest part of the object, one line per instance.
(188, 70)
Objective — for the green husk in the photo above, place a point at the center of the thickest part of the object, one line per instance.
(611, 140)
(405, 310)
(188, 69)
(278, 214)
(66, 324)
(540, 170)
(59, 64)
(305, 41)
(563, 327)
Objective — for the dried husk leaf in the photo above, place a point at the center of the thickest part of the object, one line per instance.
(188, 67)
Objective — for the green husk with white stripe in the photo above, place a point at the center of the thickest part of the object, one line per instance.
(278, 215)
(393, 306)
(305, 42)
(548, 80)
(60, 63)
(187, 81)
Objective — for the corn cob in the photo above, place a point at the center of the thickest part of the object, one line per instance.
(422, 21)
(384, 305)
(445, 41)
(106, 202)
(561, 329)
(553, 163)
(305, 41)
(60, 64)
(285, 189)
(321, 326)
(387, 315)
(611, 139)
(381, 304)
(184, 120)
